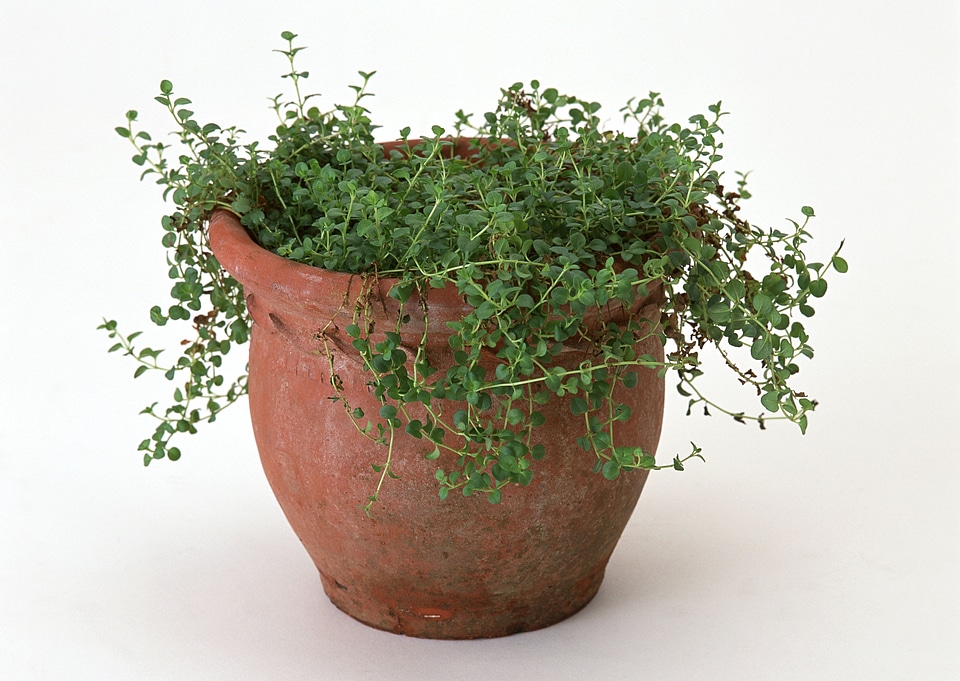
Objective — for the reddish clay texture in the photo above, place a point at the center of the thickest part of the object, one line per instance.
(455, 569)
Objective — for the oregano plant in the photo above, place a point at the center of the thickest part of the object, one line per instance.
(549, 220)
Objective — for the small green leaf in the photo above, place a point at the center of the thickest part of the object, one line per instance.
(611, 470)
(166, 87)
(761, 348)
(647, 462)
(839, 264)
(525, 300)
(578, 406)
(771, 401)
(762, 303)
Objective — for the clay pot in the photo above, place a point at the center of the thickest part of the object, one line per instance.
(455, 569)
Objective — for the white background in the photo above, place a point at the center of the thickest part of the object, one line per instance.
(829, 556)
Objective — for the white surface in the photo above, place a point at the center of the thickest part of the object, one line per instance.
(830, 556)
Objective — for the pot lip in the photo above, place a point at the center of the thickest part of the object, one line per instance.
(296, 285)
(293, 286)
(237, 251)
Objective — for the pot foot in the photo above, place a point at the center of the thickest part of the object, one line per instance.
(433, 616)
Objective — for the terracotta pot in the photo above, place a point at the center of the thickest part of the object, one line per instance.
(458, 568)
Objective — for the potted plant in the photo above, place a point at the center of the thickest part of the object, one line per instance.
(486, 313)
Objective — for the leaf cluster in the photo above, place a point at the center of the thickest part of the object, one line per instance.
(549, 220)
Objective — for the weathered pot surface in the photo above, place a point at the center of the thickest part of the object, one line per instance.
(456, 569)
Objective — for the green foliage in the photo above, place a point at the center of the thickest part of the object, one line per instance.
(551, 219)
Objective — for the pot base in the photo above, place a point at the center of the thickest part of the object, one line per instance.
(459, 621)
